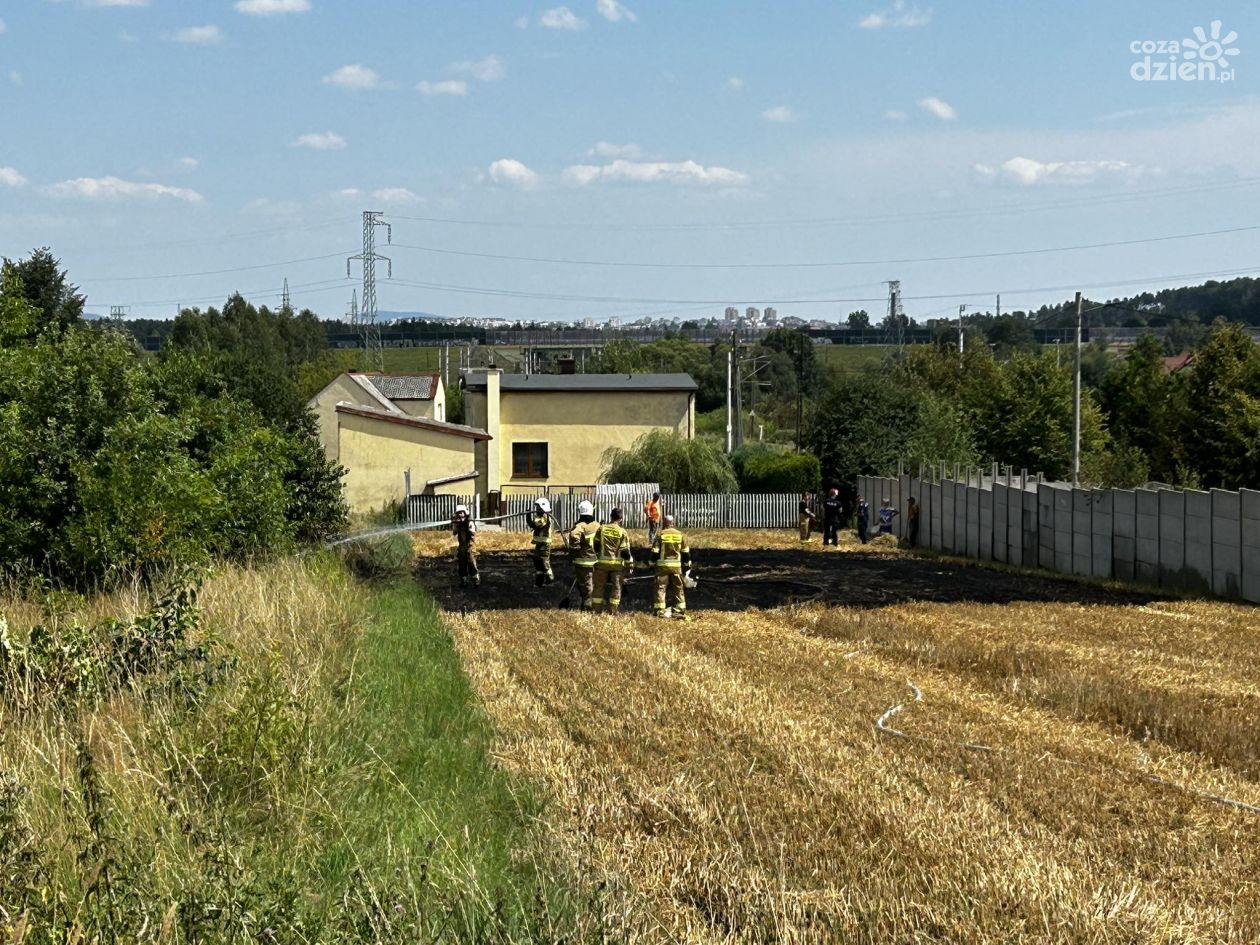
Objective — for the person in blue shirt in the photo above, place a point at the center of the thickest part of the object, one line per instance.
(886, 515)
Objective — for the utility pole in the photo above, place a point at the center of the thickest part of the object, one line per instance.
(730, 379)
(1076, 401)
(286, 303)
(369, 331)
(997, 313)
(800, 393)
(962, 341)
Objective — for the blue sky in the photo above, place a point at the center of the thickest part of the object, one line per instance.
(176, 151)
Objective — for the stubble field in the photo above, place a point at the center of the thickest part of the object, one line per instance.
(924, 752)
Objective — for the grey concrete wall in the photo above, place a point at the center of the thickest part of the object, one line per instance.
(973, 523)
(1045, 527)
(1103, 525)
(1029, 530)
(935, 491)
(960, 518)
(1123, 534)
(1197, 574)
(1250, 502)
(1063, 522)
(1000, 511)
(1146, 536)
(1226, 543)
(1172, 538)
(985, 535)
(1082, 532)
(904, 491)
(947, 515)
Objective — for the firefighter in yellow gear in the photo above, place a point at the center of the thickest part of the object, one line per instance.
(582, 551)
(671, 556)
(465, 531)
(613, 561)
(543, 526)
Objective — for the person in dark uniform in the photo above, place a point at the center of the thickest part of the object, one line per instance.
(863, 521)
(912, 522)
(831, 517)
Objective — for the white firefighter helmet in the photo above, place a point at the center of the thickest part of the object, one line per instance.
(585, 508)
(461, 510)
(543, 505)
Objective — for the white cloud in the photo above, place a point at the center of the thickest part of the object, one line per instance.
(606, 150)
(490, 69)
(280, 209)
(734, 83)
(614, 12)
(562, 18)
(900, 15)
(349, 193)
(780, 114)
(1027, 172)
(512, 171)
(271, 7)
(188, 163)
(354, 77)
(650, 172)
(109, 188)
(445, 87)
(198, 35)
(320, 141)
(894, 114)
(938, 107)
(394, 195)
(9, 177)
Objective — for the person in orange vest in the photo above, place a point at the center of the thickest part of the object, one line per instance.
(652, 512)
(613, 561)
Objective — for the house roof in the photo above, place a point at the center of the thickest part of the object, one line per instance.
(1178, 362)
(422, 423)
(552, 383)
(402, 386)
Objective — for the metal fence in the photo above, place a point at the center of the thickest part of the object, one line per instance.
(437, 508)
(690, 511)
(1191, 540)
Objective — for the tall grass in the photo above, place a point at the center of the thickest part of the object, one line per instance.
(327, 781)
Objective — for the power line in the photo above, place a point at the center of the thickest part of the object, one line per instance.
(325, 285)
(217, 272)
(1092, 201)
(231, 237)
(779, 300)
(832, 265)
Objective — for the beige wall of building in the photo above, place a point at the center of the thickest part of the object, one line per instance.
(577, 427)
(378, 450)
(343, 389)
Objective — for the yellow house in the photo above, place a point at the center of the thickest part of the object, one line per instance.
(404, 395)
(548, 431)
(389, 456)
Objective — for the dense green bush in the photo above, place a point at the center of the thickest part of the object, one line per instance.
(764, 470)
(678, 464)
(114, 463)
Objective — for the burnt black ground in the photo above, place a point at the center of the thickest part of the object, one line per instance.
(738, 580)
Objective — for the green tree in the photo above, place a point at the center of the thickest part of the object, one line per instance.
(44, 284)
(678, 464)
(1142, 404)
(859, 320)
(1221, 423)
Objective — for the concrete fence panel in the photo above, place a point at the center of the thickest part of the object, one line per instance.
(1146, 536)
(1197, 575)
(1123, 534)
(1103, 525)
(1064, 519)
(973, 522)
(1172, 538)
(947, 515)
(1082, 532)
(1045, 527)
(1249, 500)
(1000, 512)
(986, 524)
(1029, 529)
(1226, 543)
(905, 489)
(934, 515)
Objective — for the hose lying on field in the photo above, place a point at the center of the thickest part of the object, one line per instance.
(882, 726)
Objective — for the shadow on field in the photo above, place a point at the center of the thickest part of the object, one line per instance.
(738, 580)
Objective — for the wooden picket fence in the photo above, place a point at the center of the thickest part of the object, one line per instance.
(691, 511)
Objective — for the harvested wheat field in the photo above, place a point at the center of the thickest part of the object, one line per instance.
(968, 756)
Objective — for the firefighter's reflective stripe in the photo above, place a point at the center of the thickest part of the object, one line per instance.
(612, 545)
(541, 523)
(670, 550)
(582, 543)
